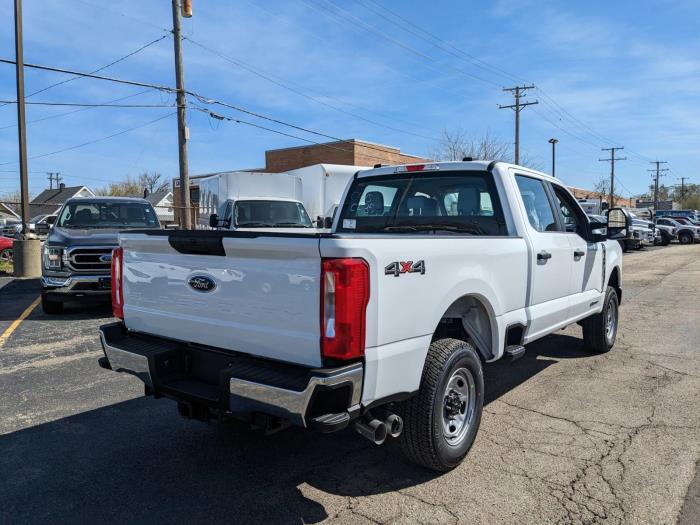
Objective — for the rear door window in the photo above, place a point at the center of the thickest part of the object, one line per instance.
(454, 202)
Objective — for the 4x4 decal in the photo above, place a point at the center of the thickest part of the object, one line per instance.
(399, 267)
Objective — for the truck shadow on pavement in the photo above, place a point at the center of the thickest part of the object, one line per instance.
(137, 461)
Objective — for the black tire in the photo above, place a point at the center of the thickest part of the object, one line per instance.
(685, 238)
(425, 415)
(51, 307)
(6, 255)
(597, 338)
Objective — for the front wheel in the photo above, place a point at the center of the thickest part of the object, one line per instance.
(6, 255)
(600, 330)
(442, 420)
(685, 238)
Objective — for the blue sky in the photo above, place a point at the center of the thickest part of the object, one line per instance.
(607, 72)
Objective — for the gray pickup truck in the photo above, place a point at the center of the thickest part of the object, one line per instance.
(77, 254)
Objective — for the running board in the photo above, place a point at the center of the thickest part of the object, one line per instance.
(513, 352)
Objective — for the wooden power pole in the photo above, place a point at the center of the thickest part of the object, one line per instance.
(518, 107)
(182, 130)
(612, 161)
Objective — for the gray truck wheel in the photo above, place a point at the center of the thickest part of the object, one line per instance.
(51, 307)
(6, 255)
(441, 421)
(685, 238)
(600, 330)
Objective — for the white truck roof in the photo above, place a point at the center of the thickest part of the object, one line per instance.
(323, 185)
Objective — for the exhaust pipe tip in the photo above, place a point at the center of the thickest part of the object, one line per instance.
(374, 430)
(395, 425)
(393, 422)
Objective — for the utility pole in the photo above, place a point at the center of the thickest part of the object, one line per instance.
(182, 130)
(553, 142)
(658, 171)
(612, 161)
(54, 175)
(21, 120)
(518, 107)
(683, 179)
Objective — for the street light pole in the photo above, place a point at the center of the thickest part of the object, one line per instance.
(553, 142)
(21, 120)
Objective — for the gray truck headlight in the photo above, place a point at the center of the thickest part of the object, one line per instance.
(52, 258)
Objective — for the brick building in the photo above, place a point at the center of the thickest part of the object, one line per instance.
(351, 152)
(580, 193)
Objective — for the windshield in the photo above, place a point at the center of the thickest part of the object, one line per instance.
(94, 215)
(270, 214)
(458, 202)
(37, 218)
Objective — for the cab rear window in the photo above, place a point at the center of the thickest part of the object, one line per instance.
(455, 202)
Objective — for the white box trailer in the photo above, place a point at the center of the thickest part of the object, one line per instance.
(323, 186)
(242, 199)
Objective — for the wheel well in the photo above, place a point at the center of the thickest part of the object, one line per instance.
(614, 281)
(468, 319)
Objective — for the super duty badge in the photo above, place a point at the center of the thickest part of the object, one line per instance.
(399, 267)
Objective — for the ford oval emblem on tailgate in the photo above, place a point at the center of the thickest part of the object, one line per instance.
(106, 258)
(201, 283)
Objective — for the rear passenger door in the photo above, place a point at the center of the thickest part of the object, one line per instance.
(551, 257)
(585, 284)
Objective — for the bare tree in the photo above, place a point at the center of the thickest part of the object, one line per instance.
(130, 187)
(152, 182)
(455, 145)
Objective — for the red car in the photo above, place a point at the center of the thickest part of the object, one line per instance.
(5, 249)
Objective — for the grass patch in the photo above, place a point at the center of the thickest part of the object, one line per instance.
(5, 268)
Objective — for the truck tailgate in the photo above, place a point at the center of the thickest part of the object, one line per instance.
(247, 293)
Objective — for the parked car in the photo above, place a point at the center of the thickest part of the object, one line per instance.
(6, 249)
(383, 323)
(77, 253)
(685, 233)
(11, 229)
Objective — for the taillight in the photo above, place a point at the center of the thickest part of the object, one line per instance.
(117, 283)
(344, 297)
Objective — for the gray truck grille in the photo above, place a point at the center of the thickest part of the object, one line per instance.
(90, 259)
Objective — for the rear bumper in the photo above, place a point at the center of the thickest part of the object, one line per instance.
(231, 382)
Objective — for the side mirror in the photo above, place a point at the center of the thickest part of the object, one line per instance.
(618, 223)
(328, 222)
(51, 220)
(42, 228)
(213, 220)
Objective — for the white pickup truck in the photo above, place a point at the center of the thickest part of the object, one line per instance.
(383, 323)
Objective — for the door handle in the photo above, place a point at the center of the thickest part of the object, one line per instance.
(578, 254)
(543, 256)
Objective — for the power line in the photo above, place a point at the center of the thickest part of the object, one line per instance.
(94, 141)
(77, 110)
(95, 105)
(442, 44)
(659, 172)
(344, 14)
(199, 97)
(267, 76)
(265, 128)
(120, 59)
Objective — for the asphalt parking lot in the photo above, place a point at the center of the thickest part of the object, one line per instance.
(565, 437)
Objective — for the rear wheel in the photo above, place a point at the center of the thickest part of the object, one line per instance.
(600, 330)
(51, 307)
(6, 255)
(442, 420)
(685, 238)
